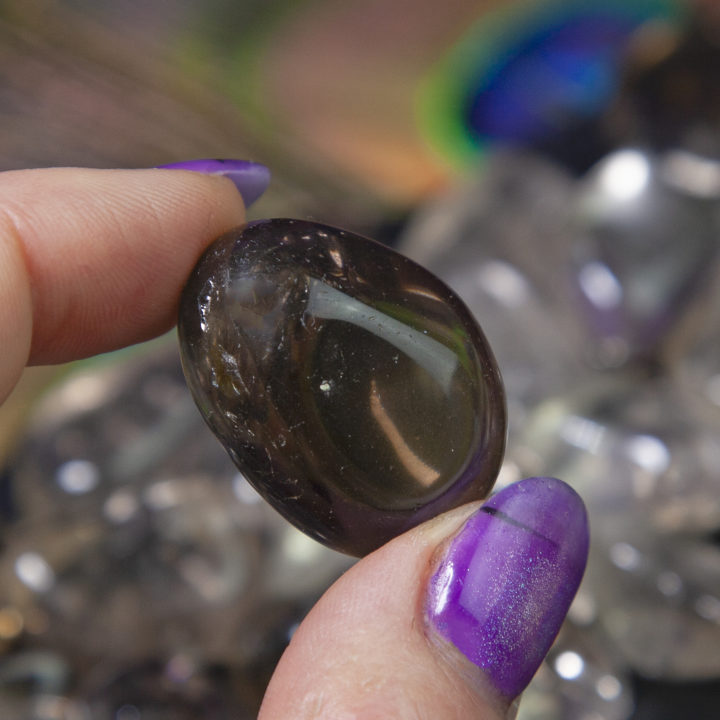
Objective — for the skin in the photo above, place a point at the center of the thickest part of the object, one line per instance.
(92, 260)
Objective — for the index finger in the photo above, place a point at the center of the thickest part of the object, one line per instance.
(92, 260)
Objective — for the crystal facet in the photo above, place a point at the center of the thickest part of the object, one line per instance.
(351, 387)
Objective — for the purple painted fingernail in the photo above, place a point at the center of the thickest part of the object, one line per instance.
(506, 581)
(250, 178)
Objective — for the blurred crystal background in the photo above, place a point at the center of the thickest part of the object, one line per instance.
(557, 162)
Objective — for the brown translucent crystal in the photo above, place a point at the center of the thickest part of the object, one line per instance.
(350, 386)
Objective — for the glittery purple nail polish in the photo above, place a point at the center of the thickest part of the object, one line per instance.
(507, 579)
(250, 178)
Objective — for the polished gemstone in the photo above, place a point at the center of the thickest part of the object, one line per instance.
(351, 387)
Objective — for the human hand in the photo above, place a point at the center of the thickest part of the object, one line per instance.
(437, 624)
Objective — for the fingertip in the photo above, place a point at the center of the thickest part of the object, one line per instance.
(504, 584)
(363, 651)
(450, 620)
(107, 252)
(251, 179)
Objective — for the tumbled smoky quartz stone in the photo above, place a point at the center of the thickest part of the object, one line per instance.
(350, 386)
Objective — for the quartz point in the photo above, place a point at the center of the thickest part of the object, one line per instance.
(352, 388)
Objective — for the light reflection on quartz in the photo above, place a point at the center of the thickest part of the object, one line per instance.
(161, 495)
(78, 476)
(34, 571)
(327, 303)
(299, 548)
(649, 452)
(669, 583)
(81, 393)
(600, 285)
(625, 175)
(504, 283)
(421, 471)
(582, 433)
(692, 173)
(625, 556)
(569, 665)
(584, 608)
(608, 687)
(121, 506)
(708, 607)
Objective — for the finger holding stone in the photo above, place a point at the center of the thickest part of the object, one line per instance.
(450, 620)
(91, 260)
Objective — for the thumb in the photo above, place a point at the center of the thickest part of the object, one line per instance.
(450, 620)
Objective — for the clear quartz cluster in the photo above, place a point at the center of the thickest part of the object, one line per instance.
(600, 300)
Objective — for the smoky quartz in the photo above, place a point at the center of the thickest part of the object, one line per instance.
(350, 386)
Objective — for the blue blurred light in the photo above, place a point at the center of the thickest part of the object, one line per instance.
(562, 71)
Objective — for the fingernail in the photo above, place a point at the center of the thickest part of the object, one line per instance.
(250, 178)
(506, 581)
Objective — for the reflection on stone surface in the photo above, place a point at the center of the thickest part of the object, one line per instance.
(350, 386)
